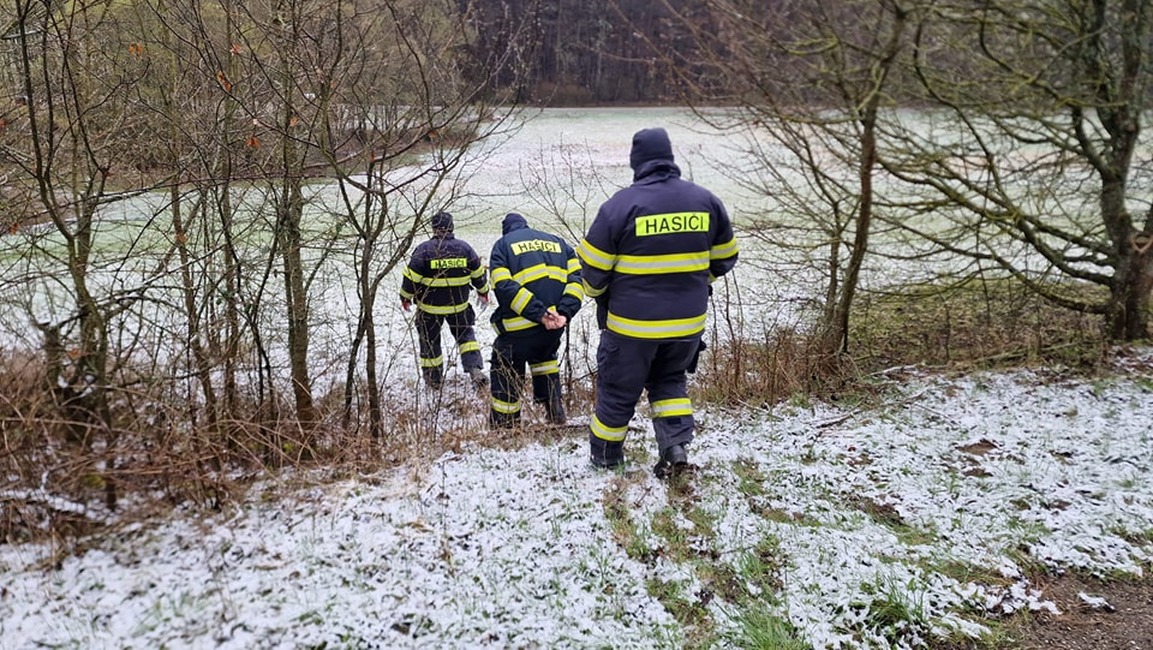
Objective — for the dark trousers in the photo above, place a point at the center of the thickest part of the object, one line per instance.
(460, 324)
(536, 348)
(627, 366)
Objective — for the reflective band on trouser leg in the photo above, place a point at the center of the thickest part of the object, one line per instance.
(672, 407)
(468, 346)
(604, 432)
(544, 368)
(506, 408)
(434, 362)
(507, 376)
(669, 404)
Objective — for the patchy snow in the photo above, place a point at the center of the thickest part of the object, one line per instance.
(928, 504)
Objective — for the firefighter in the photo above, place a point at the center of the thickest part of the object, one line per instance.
(536, 278)
(648, 261)
(439, 278)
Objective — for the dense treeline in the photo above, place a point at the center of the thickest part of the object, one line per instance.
(592, 52)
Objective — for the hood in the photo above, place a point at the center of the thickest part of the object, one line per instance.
(512, 221)
(649, 145)
(442, 221)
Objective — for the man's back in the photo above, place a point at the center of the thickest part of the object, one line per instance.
(652, 251)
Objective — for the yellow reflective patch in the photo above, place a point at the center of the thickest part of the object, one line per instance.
(531, 245)
(449, 263)
(672, 222)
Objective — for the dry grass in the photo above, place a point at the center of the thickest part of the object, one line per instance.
(153, 454)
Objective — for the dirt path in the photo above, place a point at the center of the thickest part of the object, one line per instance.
(1126, 623)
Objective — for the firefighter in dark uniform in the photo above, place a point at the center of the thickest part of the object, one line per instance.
(536, 278)
(439, 278)
(648, 260)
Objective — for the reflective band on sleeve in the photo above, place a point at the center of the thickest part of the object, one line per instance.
(505, 407)
(595, 257)
(612, 434)
(516, 324)
(724, 251)
(500, 274)
(478, 273)
(431, 363)
(590, 291)
(673, 263)
(521, 300)
(575, 290)
(574, 265)
(468, 346)
(675, 328)
(667, 408)
(545, 368)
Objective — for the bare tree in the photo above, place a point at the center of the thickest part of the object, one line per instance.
(806, 88)
(1049, 104)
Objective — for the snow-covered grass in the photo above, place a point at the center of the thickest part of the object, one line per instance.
(918, 517)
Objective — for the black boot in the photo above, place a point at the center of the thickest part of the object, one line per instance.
(479, 378)
(433, 377)
(605, 454)
(673, 460)
(550, 394)
(497, 420)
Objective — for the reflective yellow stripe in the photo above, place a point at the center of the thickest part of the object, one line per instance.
(673, 328)
(517, 323)
(432, 363)
(595, 257)
(590, 290)
(612, 434)
(540, 272)
(521, 300)
(459, 281)
(672, 263)
(574, 265)
(442, 310)
(545, 368)
(724, 251)
(575, 290)
(500, 274)
(468, 346)
(478, 273)
(505, 407)
(406, 294)
(667, 408)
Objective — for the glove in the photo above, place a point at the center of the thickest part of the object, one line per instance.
(405, 304)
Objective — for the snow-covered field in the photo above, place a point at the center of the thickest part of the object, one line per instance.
(875, 527)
